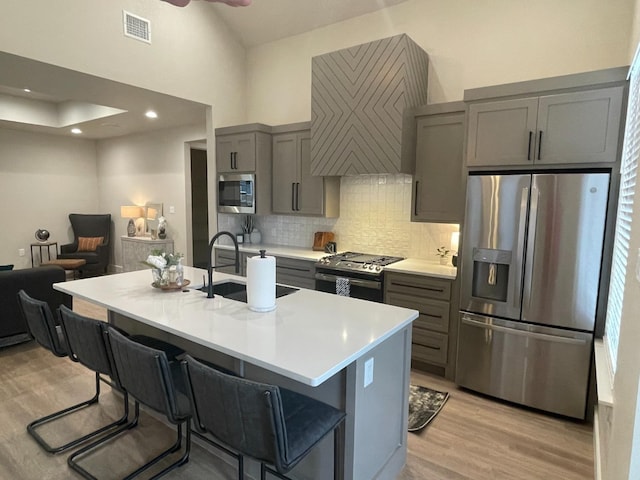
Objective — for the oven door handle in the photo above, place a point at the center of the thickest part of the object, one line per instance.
(372, 284)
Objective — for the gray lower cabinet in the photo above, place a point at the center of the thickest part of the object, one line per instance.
(433, 335)
(294, 189)
(225, 256)
(438, 190)
(562, 129)
(296, 272)
(135, 250)
(290, 271)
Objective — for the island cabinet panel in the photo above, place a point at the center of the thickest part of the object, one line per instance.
(432, 297)
(550, 130)
(224, 256)
(438, 190)
(299, 273)
(295, 190)
(135, 250)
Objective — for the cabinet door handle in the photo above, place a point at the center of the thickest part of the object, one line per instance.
(297, 196)
(231, 160)
(529, 147)
(539, 144)
(415, 202)
(293, 197)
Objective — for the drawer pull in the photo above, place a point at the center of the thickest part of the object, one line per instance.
(431, 289)
(432, 316)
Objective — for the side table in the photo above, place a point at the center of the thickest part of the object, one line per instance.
(137, 249)
(40, 245)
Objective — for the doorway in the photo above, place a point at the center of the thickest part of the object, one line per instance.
(199, 208)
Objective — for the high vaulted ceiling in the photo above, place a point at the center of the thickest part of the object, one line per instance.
(268, 20)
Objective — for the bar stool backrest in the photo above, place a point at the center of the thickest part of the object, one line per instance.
(145, 373)
(243, 414)
(85, 340)
(41, 324)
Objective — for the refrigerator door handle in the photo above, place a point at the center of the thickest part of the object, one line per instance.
(531, 244)
(524, 197)
(523, 333)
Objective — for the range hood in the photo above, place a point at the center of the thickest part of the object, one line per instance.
(361, 107)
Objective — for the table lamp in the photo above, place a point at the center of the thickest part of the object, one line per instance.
(131, 212)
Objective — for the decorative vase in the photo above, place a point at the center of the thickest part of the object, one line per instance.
(131, 228)
(160, 277)
(444, 260)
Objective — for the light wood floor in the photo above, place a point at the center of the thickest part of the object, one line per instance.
(473, 437)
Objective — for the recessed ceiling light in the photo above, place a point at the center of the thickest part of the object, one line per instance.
(151, 114)
(76, 131)
(28, 90)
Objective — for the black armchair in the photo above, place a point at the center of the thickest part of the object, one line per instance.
(92, 234)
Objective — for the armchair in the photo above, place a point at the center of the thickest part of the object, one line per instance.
(91, 242)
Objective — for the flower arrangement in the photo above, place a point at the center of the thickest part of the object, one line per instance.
(166, 268)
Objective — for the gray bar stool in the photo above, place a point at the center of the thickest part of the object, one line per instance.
(42, 327)
(148, 376)
(271, 424)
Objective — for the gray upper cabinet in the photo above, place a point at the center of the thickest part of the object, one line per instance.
(247, 149)
(295, 190)
(236, 153)
(562, 129)
(438, 182)
(240, 149)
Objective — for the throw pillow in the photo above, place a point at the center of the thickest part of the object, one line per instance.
(6, 267)
(89, 244)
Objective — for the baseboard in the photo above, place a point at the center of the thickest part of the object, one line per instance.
(597, 459)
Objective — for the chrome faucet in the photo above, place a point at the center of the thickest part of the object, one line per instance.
(210, 265)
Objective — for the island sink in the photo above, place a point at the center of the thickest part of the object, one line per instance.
(238, 291)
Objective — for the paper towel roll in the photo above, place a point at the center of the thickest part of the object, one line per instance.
(261, 283)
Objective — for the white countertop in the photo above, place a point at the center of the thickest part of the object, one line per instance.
(409, 265)
(423, 267)
(309, 337)
(300, 253)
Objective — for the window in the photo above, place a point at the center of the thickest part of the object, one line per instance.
(628, 170)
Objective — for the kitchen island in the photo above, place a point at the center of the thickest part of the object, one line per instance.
(314, 343)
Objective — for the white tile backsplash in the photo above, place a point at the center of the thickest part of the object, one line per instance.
(375, 213)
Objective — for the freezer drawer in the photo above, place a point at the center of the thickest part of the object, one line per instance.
(541, 367)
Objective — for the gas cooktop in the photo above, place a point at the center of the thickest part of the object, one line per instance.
(357, 262)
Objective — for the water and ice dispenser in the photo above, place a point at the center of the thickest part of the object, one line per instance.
(491, 274)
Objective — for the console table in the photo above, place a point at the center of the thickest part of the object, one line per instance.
(137, 249)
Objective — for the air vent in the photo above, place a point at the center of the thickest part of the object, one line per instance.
(136, 27)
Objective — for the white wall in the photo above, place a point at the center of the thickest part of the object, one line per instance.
(192, 55)
(470, 44)
(43, 178)
(144, 168)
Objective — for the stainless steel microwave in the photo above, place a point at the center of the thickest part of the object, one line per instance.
(236, 193)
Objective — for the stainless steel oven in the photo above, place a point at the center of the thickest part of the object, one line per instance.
(354, 275)
(236, 193)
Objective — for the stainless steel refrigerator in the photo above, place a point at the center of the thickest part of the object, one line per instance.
(530, 273)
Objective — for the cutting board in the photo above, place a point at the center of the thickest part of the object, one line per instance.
(320, 239)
